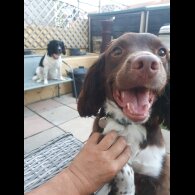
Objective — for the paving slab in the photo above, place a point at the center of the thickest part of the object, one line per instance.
(35, 124)
(73, 106)
(81, 128)
(66, 99)
(40, 139)
(43, 106)
(28, 112)
(60, 115)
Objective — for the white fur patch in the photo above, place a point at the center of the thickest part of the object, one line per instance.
(125, 181)
(50, 62)
(149, 161)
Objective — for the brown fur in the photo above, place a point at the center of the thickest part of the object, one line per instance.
(114, 70)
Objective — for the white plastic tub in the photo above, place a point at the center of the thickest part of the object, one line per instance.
(164, 35)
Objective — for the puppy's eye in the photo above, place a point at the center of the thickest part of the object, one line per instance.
(117, 51)
(162, 52)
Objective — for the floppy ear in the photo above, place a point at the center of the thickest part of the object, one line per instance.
(92, 95)
(49, 48)
(63, 48)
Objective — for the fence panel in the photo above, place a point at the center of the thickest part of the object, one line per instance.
(45, 20)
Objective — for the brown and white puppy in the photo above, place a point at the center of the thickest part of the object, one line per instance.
(127, 90)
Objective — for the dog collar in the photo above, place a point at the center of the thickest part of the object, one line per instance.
(122, 121)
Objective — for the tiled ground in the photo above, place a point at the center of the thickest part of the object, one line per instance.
(48, 119)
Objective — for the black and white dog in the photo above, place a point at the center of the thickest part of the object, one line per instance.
(49, 66)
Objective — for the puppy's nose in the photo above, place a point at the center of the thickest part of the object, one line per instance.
(59, 50)
(147, 63)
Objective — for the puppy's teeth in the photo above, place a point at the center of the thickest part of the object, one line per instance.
(128, 106)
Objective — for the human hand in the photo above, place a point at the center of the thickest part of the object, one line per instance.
(99, 161)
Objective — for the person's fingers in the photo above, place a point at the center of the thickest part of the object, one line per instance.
(108, 140)
(118, 147)
(94, 138)
(123, 157)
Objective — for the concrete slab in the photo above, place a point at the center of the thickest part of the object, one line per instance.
(81, 128)
(35, 124)
(28, 112)
(60, 115)
(73, 106)
(66, 99)
(40, 139)
(43, 106)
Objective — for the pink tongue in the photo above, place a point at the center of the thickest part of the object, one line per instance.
(135, 102)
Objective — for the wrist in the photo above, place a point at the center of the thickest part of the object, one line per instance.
(81, 185)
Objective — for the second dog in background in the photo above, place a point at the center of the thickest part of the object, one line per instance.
(49, 66)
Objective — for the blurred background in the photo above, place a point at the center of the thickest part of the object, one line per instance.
(79, 22)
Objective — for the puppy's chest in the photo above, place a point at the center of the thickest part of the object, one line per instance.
(51, 63)
(148, 160)
(134, 135)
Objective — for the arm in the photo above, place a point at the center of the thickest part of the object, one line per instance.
(96, 164)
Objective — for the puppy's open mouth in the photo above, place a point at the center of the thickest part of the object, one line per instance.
(136, 102)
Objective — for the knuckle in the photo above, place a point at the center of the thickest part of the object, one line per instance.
(122, 141)
(127, 152)
(112, 134)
